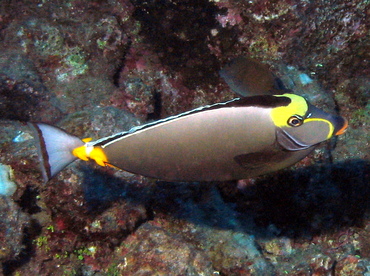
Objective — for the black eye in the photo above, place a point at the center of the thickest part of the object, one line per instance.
(295, 121)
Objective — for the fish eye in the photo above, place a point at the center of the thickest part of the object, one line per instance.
(295, 121)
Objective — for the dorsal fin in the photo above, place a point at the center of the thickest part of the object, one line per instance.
(248, 77)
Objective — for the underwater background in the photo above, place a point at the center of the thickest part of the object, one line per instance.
(99, 67)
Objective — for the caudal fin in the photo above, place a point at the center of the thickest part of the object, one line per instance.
(55, 148)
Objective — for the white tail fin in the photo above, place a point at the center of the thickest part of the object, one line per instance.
(55, 148)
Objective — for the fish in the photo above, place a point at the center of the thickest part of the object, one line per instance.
(241, 138)
(237, 139)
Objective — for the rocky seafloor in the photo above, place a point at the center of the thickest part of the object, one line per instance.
(96, 68)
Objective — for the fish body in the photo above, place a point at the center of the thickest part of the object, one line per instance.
(197, 146)
(241, 138)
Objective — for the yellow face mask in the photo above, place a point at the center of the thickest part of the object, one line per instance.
(301, 125)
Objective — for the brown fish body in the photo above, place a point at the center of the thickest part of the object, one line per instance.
(210, 145)
(201, 146)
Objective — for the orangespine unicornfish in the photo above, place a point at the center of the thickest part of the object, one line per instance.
(237, 139)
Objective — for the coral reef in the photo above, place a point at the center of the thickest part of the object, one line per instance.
(96, 68)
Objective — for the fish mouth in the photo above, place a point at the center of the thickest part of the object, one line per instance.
(340, 125)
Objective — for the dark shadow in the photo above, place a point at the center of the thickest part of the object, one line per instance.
(299, 203)
(102, 189)
(308, 201)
